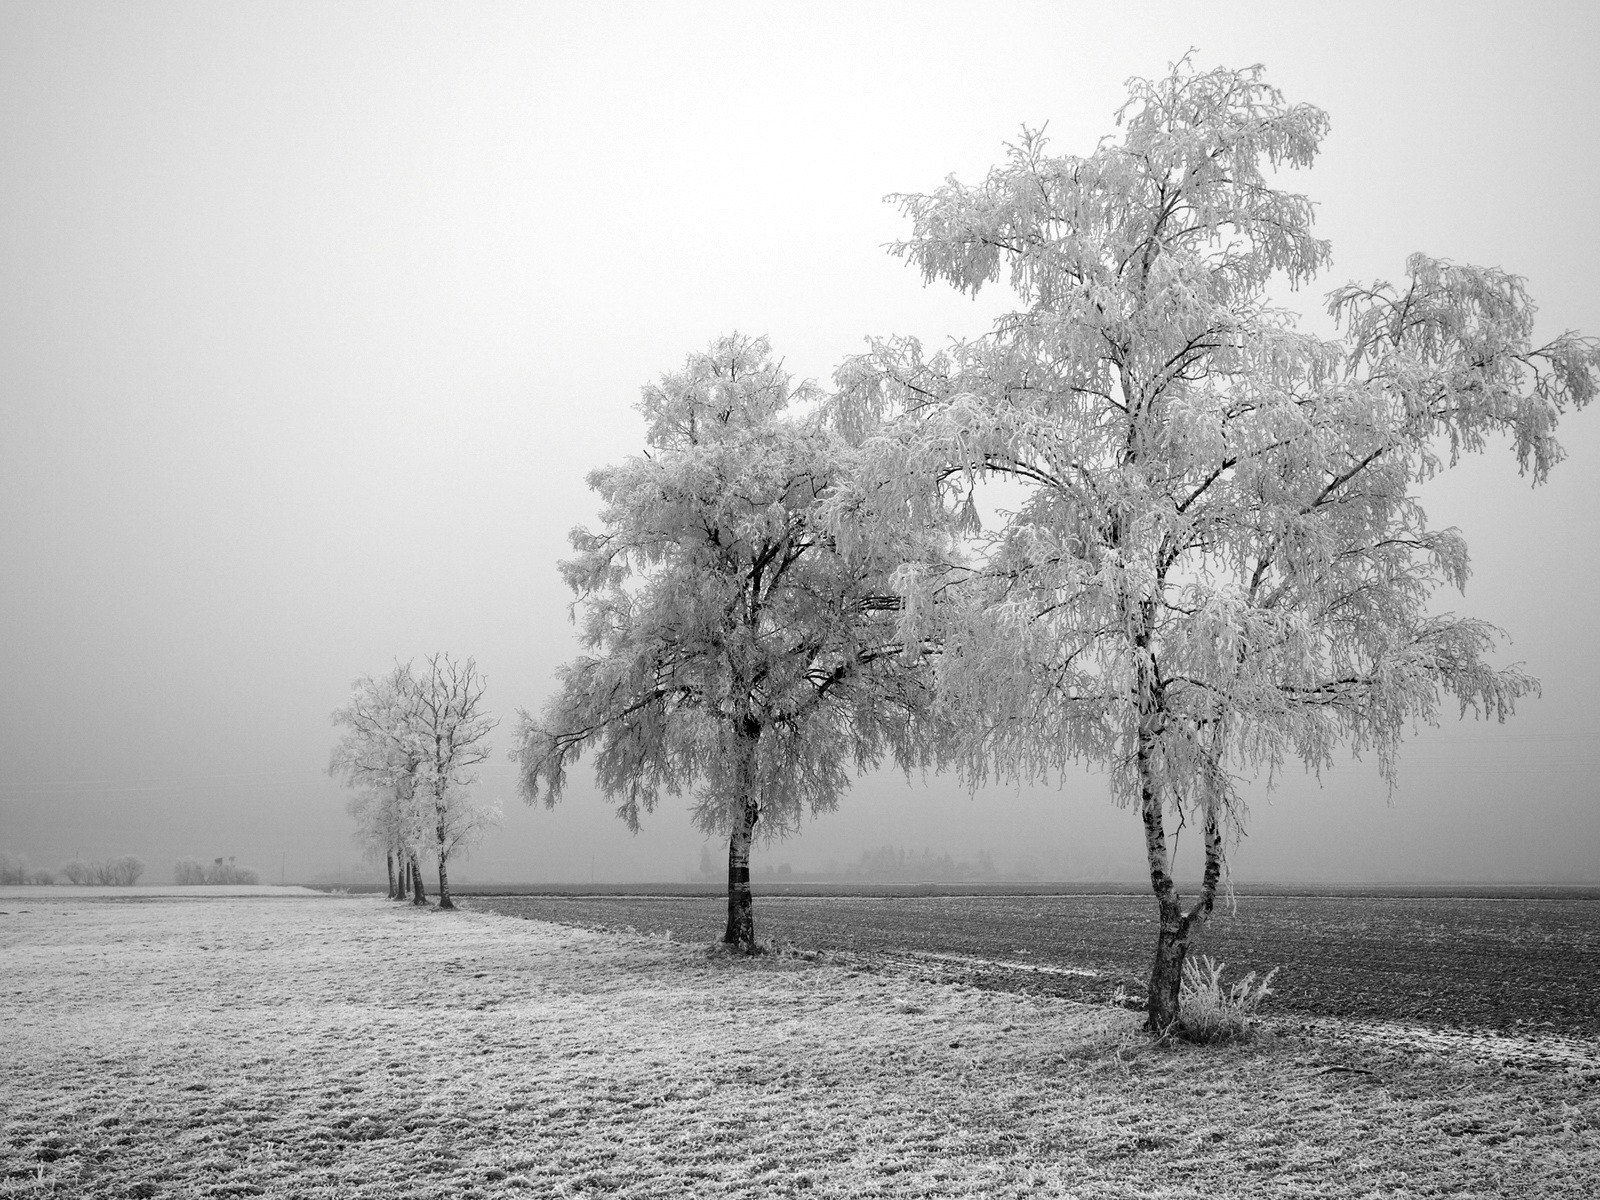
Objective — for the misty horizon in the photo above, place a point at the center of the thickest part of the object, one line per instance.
(318, 318)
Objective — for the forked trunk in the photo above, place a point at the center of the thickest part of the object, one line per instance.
(1163, 1010)
(741, 929)
(1177, 926)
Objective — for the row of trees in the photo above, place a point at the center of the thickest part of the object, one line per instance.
(122, 871)
(410, 749)
(1218, 562)
(16, 869)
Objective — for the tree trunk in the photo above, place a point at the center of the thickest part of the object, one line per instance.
(439, 833)
(1172, 940)
(444, 883)
(419, 895)
(1164, 1014)
(388, 862)
(741, 929)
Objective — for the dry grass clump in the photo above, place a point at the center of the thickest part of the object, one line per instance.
(324, 1047)
(1210, 1011)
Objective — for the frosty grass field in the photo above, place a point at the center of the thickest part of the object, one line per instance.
(293, 1044)
(1495, 960)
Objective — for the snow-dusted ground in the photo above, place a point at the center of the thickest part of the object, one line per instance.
(147, 891)
(350, 1047)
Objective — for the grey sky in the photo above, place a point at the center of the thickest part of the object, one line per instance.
(315, 317)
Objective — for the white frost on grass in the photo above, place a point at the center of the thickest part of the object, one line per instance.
(351, 1047)
(16, 894)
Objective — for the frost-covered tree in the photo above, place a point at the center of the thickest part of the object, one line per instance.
(450, 726)
(386, 827)
(736, 645)
(380, 757)
(1218, 561)
(410, 748)
(14, 868)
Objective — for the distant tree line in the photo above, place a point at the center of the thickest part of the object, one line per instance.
(16, 870)
(122, 871)
(887, 864)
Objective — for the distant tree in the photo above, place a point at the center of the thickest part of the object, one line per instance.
(452, 730)
(227, 871)
(380, 757)
(75, 870)
(14, 868)
(188, 872)
(1219, 562)
(410, 748)
(101, 872)
(191, 871)
(125, 871)
(383, 825)
(738, 645)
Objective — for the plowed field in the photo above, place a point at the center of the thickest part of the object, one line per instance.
(1501, 964)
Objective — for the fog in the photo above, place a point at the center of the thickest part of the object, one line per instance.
(315, 318)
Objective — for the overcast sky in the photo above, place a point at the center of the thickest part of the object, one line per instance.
(316, 315)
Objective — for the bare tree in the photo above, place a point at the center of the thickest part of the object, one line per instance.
(452, 730)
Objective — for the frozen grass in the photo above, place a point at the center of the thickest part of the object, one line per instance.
(349, 1047)
(1212, 1011)
(19, 897)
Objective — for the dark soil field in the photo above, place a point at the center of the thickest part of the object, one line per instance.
(1485, 962)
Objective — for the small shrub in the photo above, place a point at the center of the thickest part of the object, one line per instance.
(1211, 1011)
(42, 878)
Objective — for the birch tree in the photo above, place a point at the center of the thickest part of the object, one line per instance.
(451, 729)
(736, 647)
(1219, 562)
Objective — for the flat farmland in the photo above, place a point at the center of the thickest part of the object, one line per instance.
(1495, 963)
(335, 1047)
